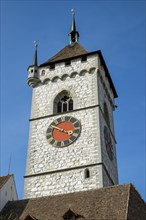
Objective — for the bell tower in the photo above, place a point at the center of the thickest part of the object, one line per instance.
(72, 145)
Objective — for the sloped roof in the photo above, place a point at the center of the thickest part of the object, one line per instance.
(68, 51)
(74, 51)
(120, 202)
(3, 180)
(30, 217)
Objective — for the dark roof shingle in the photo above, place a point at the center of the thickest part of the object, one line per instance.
(112, 203)
(67, 52)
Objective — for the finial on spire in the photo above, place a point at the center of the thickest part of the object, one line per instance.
(73, 11)
(73, 35)
(36, 43)
(35, 63)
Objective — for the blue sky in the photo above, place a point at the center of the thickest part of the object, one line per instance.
(117, 28)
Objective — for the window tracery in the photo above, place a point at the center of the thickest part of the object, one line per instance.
(63, 102)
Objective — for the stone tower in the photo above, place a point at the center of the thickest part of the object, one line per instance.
(72, 144)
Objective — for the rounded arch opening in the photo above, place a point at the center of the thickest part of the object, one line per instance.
(73, 75)
(46, 81)
(86, 173)
(83, 72)
(92, 70)
(63, 78)
(55, 79)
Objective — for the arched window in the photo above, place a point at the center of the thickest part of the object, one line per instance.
(63, 102)
(87, 173)
(106, 114)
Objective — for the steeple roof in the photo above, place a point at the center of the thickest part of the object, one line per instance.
(35, 61)
(69, 51)
(73, 35)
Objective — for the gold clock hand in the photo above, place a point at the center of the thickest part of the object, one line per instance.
(60, 129)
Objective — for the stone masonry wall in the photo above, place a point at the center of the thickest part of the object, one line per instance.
(62, 169)
(63, 182)
(79, 79)
(106, 95)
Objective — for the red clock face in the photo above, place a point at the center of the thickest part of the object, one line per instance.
(63, 131)
(62, 135)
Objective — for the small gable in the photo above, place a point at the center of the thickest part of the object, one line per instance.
(70, 215)
(30, 217)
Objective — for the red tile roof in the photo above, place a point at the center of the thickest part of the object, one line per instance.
(119, 202)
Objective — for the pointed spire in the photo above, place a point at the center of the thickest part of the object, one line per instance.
(73, 35)
(35, 61)
(73, 28)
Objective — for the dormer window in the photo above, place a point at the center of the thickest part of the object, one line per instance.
(70, 215)
(30, 217)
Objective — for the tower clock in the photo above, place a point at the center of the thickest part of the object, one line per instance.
(72, 144)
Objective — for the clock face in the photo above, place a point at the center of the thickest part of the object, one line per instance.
(108, 143)
(63, 131)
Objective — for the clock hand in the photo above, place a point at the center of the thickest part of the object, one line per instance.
(68, 132)
(61, 129)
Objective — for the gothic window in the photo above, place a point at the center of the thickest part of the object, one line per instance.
(87, 173)
(63, 102)
(106, 114)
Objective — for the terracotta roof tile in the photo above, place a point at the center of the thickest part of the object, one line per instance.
(3, 180)
(112, 203)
